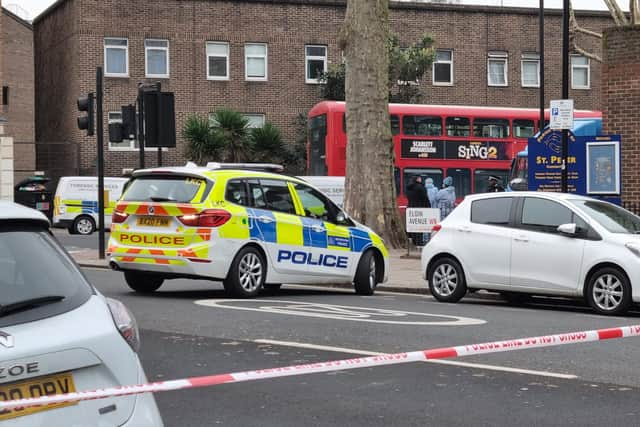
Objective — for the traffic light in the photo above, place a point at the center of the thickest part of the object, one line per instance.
(85, 103)
(129, 121)
(159, 119)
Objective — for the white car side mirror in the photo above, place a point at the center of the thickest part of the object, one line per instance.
(570, 229)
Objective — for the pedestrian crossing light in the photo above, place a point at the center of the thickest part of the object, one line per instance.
(85, 103)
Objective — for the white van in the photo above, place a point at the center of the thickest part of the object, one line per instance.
(332, 186)
(75, 205)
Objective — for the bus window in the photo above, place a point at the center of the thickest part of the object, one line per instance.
(481, 178)
(491, 128)
(523, 128)
(461, 181)
(422, 125)
(410, 173)
(395, 125)
(317, 145)
(457, 126)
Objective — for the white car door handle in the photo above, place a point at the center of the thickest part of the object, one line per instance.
(464, 229)
(265, 219)
(318, 228)
(520, 239)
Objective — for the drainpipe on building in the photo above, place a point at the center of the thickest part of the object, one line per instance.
(6, 164)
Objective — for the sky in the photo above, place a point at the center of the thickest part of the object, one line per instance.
(33, 8)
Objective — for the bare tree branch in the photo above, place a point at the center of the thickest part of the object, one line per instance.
(634, 11)
(585, 53)
(616, 13)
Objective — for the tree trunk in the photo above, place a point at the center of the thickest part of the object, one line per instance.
(370, 186)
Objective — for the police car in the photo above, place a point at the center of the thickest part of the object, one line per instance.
(250, 229)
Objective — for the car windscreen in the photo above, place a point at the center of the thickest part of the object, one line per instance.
(612, 217)
(38, 279)
(176, 189)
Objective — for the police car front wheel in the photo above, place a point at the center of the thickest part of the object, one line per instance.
(367, 275)
(247, 273)
(141, 282)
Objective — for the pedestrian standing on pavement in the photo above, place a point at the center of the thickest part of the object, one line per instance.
(446, 198)
(431, 191)
(494, 185)
(417, 198)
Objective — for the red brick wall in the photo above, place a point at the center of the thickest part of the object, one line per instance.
(621, 101)
(18, 73)
(286, 25)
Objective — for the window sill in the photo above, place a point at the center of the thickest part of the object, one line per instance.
(157, 76)
(218, 79)
(117, 76)
(442, 84)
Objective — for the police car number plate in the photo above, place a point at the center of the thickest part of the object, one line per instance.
(150, 221)
(43, 386)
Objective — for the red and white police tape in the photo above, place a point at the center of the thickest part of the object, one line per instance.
(336, 365)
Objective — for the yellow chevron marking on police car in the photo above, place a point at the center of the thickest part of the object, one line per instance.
(377, 242)
(150, 260)
(238, 226)
(289, 229)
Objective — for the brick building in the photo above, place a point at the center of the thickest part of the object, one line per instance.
(621, 101)
(17, 77)
(256, 56)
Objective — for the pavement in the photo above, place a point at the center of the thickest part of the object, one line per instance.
(404, 269)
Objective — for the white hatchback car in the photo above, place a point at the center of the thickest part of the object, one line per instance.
(59, 335)
(536, 243)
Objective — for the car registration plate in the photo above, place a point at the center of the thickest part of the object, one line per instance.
(152, 221)
(42, 206)
(37, 387)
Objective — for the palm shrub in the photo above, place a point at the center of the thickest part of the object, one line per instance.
(231, 129)
(201, 145)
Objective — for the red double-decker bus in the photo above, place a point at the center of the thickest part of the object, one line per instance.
(434, 141)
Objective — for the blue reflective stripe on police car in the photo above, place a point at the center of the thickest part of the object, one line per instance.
(360, 239)
(89, 207)
(260, 230)
(314, 238)
(302, 257)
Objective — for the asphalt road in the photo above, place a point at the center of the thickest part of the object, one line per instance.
(581, 384)
(74, 242)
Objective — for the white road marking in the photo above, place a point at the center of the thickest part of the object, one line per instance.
(341, 312)
(441, 362)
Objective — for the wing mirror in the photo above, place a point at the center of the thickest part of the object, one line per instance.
(568, 229)
(342, 217)
(518, 184)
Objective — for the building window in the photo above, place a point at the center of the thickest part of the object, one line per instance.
(255, 120)
(116, 57)
(497, 69)
(530, 70)
(5, 95)
(443, 68)
(580, 72)
(316, 62)
(156, 53)
(255, 61)
(217, 61)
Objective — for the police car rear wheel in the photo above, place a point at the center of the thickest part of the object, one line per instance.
(247, 274)
(141, 282)
(366, 278)
(83, 225)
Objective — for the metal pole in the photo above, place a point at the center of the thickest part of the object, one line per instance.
(565, 90)
(541, 49)
(158, 124)
(141, 125)
(100, 139)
